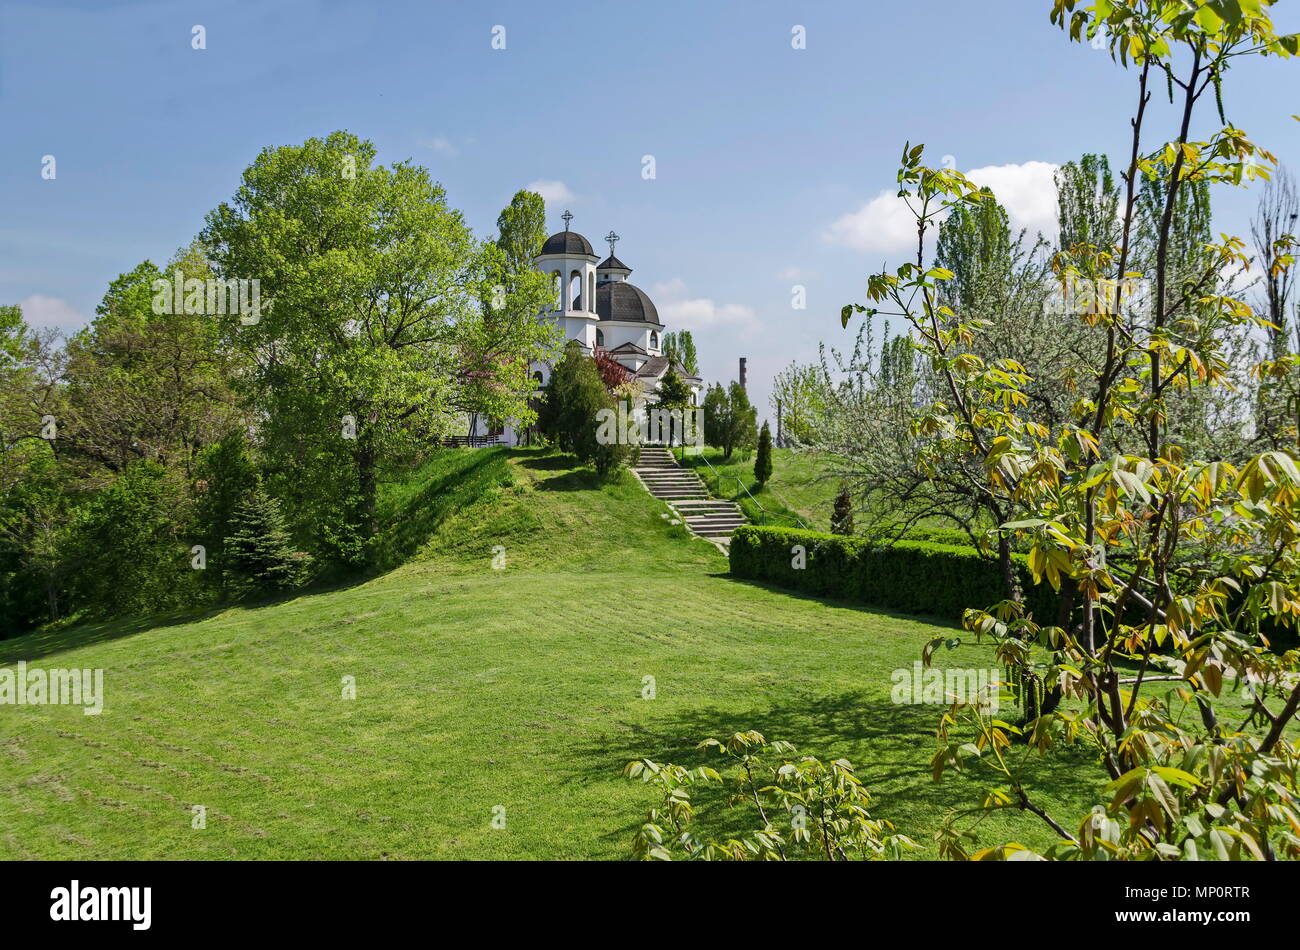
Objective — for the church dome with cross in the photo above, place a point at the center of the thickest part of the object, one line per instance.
(567, 242)
(596, 305)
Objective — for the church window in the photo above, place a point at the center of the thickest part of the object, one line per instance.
(575, 289)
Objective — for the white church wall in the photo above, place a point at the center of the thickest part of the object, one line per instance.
(617, 333)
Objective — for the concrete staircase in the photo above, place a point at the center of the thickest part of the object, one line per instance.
(708, 517)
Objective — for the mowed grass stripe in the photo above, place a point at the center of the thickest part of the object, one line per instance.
(475, 688)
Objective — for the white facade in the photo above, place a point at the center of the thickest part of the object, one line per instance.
(573, 275)
(630, 331)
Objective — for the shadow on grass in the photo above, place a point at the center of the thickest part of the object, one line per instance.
(889, 745)
(857, 605)
(42, 643)
(575, 477)
(38, 644)
(408, 525)
(551, 461)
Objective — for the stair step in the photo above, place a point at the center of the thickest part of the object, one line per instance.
(713, 519)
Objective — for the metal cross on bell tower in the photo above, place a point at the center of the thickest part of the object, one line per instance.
(567, 216)
(611, 238)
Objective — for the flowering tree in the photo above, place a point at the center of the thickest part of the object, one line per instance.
(612, 373)
(1177, 575)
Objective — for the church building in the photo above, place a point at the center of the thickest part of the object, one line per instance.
(598, 306)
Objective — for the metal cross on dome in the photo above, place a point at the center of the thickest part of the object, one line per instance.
(612, 239)
(567, 216)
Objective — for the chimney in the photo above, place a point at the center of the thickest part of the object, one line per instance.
(742, 372)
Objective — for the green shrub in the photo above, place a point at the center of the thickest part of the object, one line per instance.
(128, 549)
(919, 577)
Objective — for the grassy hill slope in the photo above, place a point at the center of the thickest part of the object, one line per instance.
(801, 484)
(475, 687)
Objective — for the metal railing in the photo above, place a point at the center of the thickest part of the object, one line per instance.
(471, 441)
(764, 514)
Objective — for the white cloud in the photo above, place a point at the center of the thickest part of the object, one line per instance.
(551, 191)
(796, 273)
(1027, 191)
(679, 311)
(670, 288)
(440, 144)
(884, 225)
(41, 312)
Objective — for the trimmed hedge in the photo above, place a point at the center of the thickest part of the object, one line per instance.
(919, 577)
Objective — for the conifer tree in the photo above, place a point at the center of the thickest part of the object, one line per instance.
(763, 460)
(842, 516)
(258, 553)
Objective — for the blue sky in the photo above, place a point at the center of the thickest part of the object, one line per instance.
(767, 158)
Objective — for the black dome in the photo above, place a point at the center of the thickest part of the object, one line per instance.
(619, 300)
(567, 242)
(613, 263)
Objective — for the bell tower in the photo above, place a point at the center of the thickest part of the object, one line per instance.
(569, 260)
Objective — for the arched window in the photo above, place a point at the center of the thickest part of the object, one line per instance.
(591, 292)
(538, 376)
(600, 337)
(575, 288)
(557, 281)
(654, 340)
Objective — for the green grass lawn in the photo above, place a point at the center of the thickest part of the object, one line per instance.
(475, 687)
(801, 485)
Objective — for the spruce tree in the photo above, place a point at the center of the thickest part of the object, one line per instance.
(763, 460)
(842, 516)
(258, 554)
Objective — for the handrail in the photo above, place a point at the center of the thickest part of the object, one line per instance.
(758, 504)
